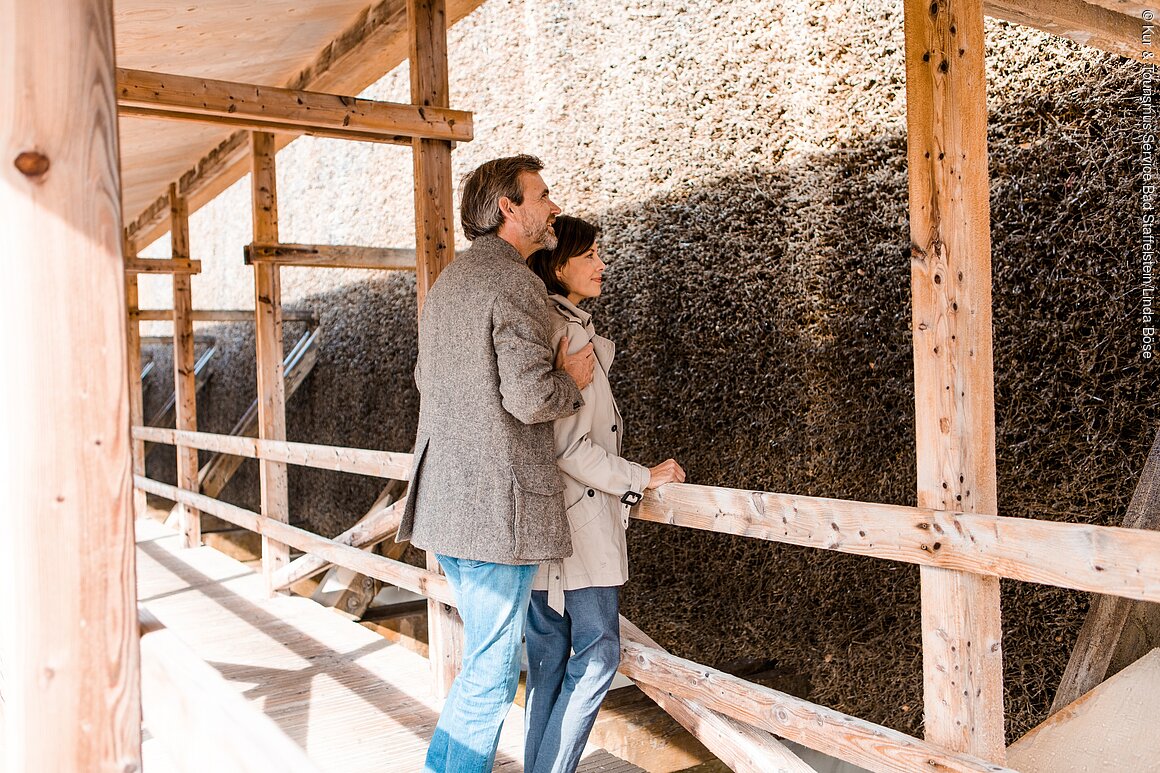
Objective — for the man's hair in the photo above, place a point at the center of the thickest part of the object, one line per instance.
(482, 189)
(575, 237)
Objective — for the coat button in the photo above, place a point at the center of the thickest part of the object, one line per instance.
(576, 406)
(614, 428)
(591, 493)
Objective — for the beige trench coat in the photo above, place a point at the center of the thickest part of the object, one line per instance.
(595, 476)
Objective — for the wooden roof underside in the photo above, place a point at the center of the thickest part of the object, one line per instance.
(342, 47)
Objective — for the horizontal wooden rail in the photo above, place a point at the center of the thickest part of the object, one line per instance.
(412, 578)
(162, 266)
(380, 464)
(212, 315)
(266, 108)
(168, 340)
(826, 730)
(1102, 559)
(203, 723)
(332, 256)
(370, 530)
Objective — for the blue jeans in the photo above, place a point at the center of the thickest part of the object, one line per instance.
(564, 693)
(493, 602)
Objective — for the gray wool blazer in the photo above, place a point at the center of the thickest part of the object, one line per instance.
(485, 485)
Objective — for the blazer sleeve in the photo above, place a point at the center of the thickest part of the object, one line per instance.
(579, 457)
(532, 389)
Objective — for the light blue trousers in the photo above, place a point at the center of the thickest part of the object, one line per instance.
(493, 602)
(564, 692)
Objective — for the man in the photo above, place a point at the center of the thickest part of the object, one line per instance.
(486, 495)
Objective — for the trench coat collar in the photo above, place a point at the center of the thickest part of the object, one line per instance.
(571, 310)
(492, 244)
(604, 348)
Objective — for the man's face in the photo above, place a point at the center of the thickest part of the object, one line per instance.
(534, 217)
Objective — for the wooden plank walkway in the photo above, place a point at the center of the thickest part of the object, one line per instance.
(353, 700)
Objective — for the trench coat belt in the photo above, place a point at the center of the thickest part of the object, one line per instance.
(556, 586)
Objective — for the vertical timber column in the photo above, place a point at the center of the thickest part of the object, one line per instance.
(68, 640)
(133, 358)
(434, 249)
(268, 335)
(953, 376)
(184, 378)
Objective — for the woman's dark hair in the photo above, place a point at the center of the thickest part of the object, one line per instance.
(575, 237)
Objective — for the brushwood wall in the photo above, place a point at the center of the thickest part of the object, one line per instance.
(747, 164)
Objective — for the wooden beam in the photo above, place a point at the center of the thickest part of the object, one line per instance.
(1105, 559)
(380, 464)
(148, 94)
(1085, 23)
(297, 365)
(743, 748)
(133, 341)
(331, 256)
(946, 104)
(174, 265)
(187, 702)
(434, 249)
(848, 738)
(68, 641)
(374, 44)
(223, 315)
(184, 367)
(268, 338)
(1101, 641)
(405, 576)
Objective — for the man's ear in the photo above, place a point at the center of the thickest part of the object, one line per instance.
(505, 207)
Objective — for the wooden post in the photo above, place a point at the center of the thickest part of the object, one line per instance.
(434, 249)
(184, 375)
(268, 335)
(68, 640)
(133, 358)
(954, 381)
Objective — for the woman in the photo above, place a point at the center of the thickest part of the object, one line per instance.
(574, 606)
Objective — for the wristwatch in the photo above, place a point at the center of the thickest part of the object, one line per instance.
(631, 498)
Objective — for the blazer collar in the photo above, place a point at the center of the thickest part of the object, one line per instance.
(490, 244)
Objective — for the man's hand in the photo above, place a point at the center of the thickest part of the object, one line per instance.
(667, 471)
(579, 365)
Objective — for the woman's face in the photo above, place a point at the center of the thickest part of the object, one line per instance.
(582, 275)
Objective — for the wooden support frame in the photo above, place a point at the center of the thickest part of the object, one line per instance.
(148, 94)
(175, 265)
(71, 661)
(331, 256)
(953, 373)
(434, 249)
(133, 342)
(184, 368)
(222, 315)
(268, 338)
(1086, 23)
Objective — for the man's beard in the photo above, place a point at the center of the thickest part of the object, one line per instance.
(543, 236)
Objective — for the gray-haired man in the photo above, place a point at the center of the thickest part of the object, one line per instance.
(486, 495)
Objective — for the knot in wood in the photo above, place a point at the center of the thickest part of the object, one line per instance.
(32, 163)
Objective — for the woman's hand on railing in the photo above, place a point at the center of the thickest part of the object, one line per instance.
(667, 471)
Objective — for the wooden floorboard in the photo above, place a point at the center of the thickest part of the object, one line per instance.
(353, 700)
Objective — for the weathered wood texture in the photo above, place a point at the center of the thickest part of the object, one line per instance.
(839, 735)
(1111, 728)
(202, 722)
(331, 256)
(68, 640)
(742, 747)
(953, 378)
(268, 339)
(223, 315)
(1101, 644)
(182, 265)
(267, 108)
(1088, 24)
(184, 366)
(376, 42)
(405, 576)
(297, 365)
(380, 464)
(133, 360)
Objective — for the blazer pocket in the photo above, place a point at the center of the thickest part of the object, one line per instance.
(538, 498)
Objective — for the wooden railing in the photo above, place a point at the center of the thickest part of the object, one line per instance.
(1108, 560)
